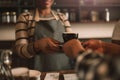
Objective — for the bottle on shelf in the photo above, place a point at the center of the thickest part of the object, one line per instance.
(72, 16)
(58, 10)
(65, 11)
(107, 15)
(6, 17)
(94, 16)
(13, 17)
(25, 10)
(0, 17)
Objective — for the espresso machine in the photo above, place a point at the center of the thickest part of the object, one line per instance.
(5, 65)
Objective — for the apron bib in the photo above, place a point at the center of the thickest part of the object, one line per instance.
(48, 62)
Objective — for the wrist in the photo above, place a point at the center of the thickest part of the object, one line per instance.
(36, 46)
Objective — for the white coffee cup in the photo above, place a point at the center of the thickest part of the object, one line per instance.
(34, 74)
(20, 73)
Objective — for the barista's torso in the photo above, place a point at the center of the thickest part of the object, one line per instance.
(49, 26)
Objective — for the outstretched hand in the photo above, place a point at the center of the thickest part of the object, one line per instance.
(72, 48)
(95, 45)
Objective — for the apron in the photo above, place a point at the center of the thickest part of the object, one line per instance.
(47, 62)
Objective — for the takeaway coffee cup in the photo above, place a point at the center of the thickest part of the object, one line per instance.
(69, 35)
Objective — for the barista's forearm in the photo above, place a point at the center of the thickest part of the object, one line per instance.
(110, 48)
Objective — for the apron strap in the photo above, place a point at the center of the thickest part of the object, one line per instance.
(63, 19)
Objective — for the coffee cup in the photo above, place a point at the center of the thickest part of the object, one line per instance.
(20, 73)
(23, 73)
(69, 35)
(34, 74)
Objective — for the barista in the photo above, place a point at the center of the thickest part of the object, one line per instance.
(39, 34)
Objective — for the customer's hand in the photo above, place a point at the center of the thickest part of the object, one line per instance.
(46, 45)
(95, 45)
(72, 48)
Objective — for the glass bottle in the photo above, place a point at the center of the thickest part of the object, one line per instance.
(94, 16)
(6, 17)
(107, 15)
(13, 17)
(72, 15)
(58, 10)
(3, 17)
(7, 57)
(65, 11)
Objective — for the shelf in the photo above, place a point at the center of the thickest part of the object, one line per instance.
(7, 6)
(27, 7)
(82, 11)
(7, 24)
(107, 5)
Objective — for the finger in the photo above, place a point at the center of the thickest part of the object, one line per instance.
(54, 41)
(85, 44)
(53, 47)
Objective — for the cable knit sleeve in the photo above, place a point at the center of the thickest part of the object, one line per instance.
(111, 49)
(116, 32)
(23, 46)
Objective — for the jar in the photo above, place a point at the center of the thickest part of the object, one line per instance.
(6, 17)
(65, 11)
(94, 16)
(58, 10)
(72, 15)
(3, 17)
(107, 15)
(25, 10)
(13, 17)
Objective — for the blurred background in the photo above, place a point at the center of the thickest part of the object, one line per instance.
(90, 18)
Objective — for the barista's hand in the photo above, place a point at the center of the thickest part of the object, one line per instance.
(72, 48)
(95, 45)
(46, 45)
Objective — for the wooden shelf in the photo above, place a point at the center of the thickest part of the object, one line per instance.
(89, 5)
(7, 24)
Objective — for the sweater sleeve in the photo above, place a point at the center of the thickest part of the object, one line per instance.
(116, 34)
(23, 46)
(111, 49)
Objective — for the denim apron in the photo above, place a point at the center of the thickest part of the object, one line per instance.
(50, 62)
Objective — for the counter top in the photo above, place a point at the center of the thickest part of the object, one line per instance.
(93, 30)
(85, 30)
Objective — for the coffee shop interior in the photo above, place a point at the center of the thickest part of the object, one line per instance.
(91, 19)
